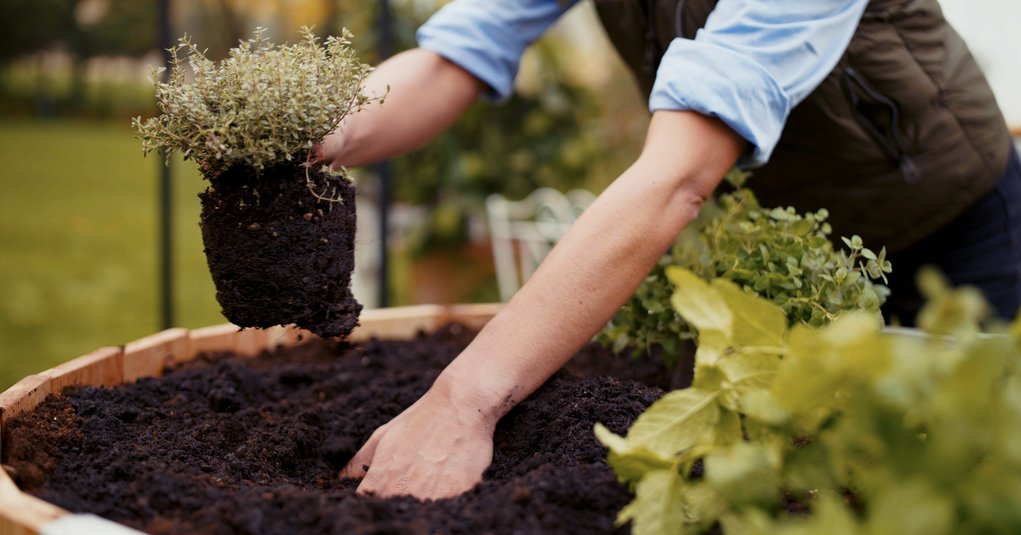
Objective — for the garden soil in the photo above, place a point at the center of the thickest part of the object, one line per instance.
(230, 445)
(279, 254)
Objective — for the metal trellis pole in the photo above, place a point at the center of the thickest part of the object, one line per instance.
(383, 169)
(165, 224)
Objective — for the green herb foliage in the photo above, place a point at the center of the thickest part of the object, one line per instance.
(263, 105)
(875, 432)
(776, 253)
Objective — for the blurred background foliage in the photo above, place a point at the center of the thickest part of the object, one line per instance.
(78, 202)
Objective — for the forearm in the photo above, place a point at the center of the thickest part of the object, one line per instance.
(597, 265)
(425, 94)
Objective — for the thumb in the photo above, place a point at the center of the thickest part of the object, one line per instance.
(359, 464)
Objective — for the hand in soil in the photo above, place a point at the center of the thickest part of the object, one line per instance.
(434, 449)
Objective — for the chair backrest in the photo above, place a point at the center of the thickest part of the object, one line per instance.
(523, 232)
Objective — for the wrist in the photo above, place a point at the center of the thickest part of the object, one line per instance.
(475, 396)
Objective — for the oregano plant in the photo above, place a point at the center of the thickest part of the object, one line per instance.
(776, 253)
(845, 428)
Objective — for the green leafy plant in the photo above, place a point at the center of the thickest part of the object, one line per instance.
(776, 253)
(871, 431)
(262, 106)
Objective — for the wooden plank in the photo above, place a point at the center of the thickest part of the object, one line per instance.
(473, 316)
(148, 356)
(102, 367)
(86, 524)
(214, 338)
(23, 514)
(400, 322)
(230, 337)
(287, 335)
(23, 396)
(251, 342)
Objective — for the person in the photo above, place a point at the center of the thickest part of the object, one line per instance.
(872, 109)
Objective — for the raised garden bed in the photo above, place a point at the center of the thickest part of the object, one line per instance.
(253, 445)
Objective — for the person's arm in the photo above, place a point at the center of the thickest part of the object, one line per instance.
(441, 445)
(425, 94)
(468, 48)
(737, 81)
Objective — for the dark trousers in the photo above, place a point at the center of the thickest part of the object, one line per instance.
(981, 248)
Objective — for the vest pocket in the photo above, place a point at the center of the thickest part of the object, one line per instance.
(879, 116)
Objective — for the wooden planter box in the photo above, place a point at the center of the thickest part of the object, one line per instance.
(22, 513)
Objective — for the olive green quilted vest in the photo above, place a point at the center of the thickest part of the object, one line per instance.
(900, 138)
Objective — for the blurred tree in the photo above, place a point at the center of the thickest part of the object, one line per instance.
(552, 137)
(81, 28)
(27, 26)
(116, 27)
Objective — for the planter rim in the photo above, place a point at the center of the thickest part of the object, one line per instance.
(23, 513)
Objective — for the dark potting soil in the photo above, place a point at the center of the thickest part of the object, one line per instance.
(278, 254)
(229, 445)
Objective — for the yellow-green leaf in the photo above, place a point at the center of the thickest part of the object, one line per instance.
(820, 363)
(700, 305)
(631, 462)
(743, 475)
(756, 321)
(658, 507)
(911, 508)
(678, 421)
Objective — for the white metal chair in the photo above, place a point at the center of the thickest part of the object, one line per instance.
(528, 229)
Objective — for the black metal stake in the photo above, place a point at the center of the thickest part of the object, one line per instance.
(383, 170)
(166, 249)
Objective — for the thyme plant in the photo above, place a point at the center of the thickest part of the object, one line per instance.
(264, 105)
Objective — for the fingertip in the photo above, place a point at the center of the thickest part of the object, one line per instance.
(354, 470)
(366, 487)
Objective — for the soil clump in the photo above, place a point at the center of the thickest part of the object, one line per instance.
(279, 254)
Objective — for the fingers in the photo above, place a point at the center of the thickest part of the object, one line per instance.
(374, 484)
(316, 155)
(358, 466)
(386, 479)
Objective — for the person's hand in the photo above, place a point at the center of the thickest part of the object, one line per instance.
(328, 150)
(437, 448)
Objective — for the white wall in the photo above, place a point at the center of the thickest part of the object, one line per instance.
(992, 29)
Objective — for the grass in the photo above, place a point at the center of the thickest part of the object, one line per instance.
(78, 244)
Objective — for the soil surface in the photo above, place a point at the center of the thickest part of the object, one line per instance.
(277, 253)
(229, 445)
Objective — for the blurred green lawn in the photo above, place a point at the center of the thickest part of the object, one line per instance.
(78, 244)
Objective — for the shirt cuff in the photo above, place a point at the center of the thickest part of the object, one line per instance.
(465, 46)
(719, 82)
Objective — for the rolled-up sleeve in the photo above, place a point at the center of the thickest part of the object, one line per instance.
(753, 62)
(488, 37)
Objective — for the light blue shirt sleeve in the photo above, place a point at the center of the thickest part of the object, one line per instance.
(488, 37)
(754, 62)
(751, 64)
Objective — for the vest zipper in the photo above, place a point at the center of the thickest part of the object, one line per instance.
(651, 57)
(679, 19)
(892, 143)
